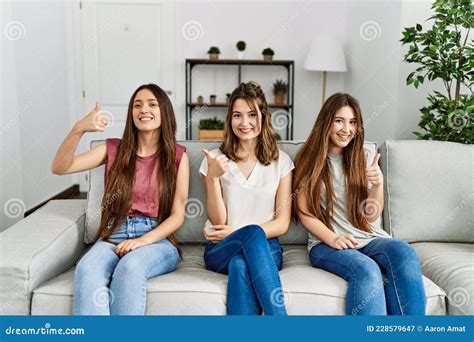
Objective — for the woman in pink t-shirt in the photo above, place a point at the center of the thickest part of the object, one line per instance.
(146, 189)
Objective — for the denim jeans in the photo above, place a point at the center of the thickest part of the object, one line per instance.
(106, 284)
(384, 277)
(252, 263)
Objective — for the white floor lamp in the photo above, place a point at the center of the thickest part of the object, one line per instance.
(325, 54)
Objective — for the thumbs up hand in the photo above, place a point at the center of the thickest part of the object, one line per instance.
(216, 166)
(95, 121)
(374, 174)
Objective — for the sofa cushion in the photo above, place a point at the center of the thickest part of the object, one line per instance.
(193, 290)
(189, 290)
(450, 266)
(429, 190)
(191, 231)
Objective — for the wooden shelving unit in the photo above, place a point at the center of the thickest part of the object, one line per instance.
(240, 63)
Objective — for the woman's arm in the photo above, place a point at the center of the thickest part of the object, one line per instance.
(65, 161)
(374, 204)
(216, 210)
(320, 230)
(173, 222)
(279, 225)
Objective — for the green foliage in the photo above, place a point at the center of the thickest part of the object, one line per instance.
(241, 45)
(444, 53)
(211, 124)
(268, 51)
(280, 85)
(214, 49)
(442, 122)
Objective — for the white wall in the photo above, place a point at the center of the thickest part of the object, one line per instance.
(372, 50)
(40, 100)
(286, 26)
(36, 103)
(11, 169)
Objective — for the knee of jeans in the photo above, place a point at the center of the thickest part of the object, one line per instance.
(401, 253)
(254, 230)
(238, 264)
(367, 271)
(85, 268)
(129, 266)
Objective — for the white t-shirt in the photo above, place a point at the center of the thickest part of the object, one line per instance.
(252, 200)
(340, 222)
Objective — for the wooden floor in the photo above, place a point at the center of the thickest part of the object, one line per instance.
(79, 195)
(70, 193)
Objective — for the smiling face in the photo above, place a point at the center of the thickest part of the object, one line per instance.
(246, 122)
(146, 111)
(343, 129)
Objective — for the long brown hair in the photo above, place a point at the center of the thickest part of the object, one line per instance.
(312, 171)
(118, 190)
(267, 148)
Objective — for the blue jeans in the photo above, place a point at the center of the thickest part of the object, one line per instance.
(106, 284)
(402, 291)
(252, 263)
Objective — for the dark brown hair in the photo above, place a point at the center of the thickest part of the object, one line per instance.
(312, 172)
(118, 190)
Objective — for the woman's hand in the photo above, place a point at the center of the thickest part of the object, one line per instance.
(95, 121)
(216, 166)
(217, 232)
(129, 245)
(374, 174)
(344, 241)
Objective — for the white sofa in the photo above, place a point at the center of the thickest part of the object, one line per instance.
(428, 202)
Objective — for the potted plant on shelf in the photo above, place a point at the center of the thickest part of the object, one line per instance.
(214, 52)
(446, 53)
(241, 45)
(268, 54)
(200, 100)
(280, 89)
(211, 129)
(212, 99)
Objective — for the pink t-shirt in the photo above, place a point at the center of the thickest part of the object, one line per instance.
(144, 198)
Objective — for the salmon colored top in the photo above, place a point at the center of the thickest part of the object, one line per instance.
(145, 187)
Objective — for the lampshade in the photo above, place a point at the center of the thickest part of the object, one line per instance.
(325, 54)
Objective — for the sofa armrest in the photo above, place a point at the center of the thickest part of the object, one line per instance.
(38, 248)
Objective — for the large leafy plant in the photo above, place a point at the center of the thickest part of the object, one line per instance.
(445, 52)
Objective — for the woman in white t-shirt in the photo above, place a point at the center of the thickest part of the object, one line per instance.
(248, 185)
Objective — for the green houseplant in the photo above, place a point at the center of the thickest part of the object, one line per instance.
(211, 129)
(214, 52)
(241, 45)
(445, 52)
(280, 88)
(268, 54)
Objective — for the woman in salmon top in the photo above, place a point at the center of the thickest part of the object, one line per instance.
(146, 189)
